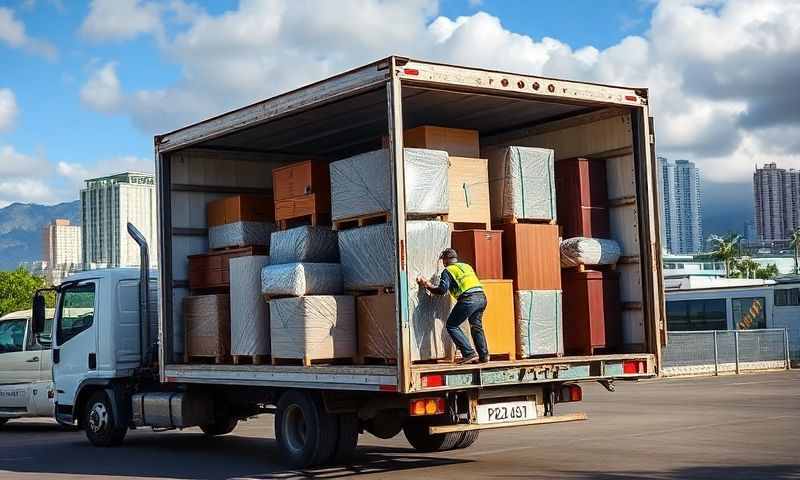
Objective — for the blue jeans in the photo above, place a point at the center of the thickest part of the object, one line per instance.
(470, 306)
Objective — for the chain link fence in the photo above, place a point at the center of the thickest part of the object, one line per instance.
(712, 352)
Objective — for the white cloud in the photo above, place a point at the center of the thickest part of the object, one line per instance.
(102, 91)
(121, 19)
(73, 174)
(12, 33)
(722, 75)
(8, 109)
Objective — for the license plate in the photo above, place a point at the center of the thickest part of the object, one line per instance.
(506, 412)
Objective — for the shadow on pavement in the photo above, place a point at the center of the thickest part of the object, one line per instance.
(719, 472)
(190, 456)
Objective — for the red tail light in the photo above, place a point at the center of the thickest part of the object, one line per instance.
(411, 71)
(633, 366)
(570, 393)
(431, 381)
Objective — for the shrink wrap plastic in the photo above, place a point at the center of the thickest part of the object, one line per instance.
(249, 311)
(425, 242)
(304, 244)
(589, 251)
(377, 326)
(539, 324)
(522, 183)
(361, 185)
(208, 320)
(368, 256)
(313, 327)
(301, 279)
(239, 234)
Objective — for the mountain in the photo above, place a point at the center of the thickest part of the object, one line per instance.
(21, 229)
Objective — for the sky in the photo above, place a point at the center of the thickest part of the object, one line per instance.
(84, 86)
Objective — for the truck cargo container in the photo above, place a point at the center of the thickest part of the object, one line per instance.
(320, 409)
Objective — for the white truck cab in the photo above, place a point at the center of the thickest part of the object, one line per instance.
(26, 380)
(96, 336)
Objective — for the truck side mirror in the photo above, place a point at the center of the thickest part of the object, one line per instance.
(38, 317)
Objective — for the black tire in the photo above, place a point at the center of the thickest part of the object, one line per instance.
(422, 441)
(347, 439)
(467, 439)
(104, 427)
(3, 421)
(306, 434)
(221, 426)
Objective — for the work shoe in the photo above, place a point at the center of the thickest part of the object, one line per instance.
(483, 360)
(468, 359)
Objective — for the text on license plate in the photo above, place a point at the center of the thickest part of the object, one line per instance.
(506, 412)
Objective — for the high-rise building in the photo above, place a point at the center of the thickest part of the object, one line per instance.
(777, 202)
(682, 212)
(61, 250)
(107, 205)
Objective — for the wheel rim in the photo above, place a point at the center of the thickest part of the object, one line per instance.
(295, 427)
(98, 417)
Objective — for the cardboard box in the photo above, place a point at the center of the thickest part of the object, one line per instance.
(210, 271)
(301, 178)
(455, 141)
(377, 327)
(482, 249)
(240, 208)
(532, 256)
(468, 190)
(207, 319)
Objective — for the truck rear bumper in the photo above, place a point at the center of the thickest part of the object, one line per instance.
(571, 417)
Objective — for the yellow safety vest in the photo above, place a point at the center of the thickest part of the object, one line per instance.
(464, 276)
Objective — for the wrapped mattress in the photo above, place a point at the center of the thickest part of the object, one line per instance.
(589, 251)
(295, 279)
(304, 244)
(522, 183)
(249, 311)
(361, 185)
(368, 256)
(539, 324)
(239, 234)
(313, 327)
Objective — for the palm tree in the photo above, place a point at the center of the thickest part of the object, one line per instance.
(767, 273)
(795, 243)
(748, 267)
(725, 249)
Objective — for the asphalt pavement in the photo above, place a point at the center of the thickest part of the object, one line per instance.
(733, 427)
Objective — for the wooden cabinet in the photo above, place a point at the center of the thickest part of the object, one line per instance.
(498, 319)
(210, 271)
(315, 206)
(531, 256)
(482, 249)
(592, 312)
(582, 197)
(301, 178)
(455, 141)
(240, 208)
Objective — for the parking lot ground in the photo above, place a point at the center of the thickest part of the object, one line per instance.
(732, 427)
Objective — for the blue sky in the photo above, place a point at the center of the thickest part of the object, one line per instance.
(93, 82)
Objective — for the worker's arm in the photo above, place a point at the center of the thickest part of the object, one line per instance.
(442, 288)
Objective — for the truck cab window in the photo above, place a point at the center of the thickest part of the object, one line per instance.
(12, 335)
(77, 312)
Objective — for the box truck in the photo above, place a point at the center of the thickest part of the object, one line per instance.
(125, 366)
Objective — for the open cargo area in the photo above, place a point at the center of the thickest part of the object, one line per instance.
(292, 232)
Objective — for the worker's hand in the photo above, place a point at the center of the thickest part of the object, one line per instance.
(423, 282)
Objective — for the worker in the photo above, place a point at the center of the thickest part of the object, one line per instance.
(463, 284)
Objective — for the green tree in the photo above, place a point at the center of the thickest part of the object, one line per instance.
(795, 243)
(746, 267)
(16, 290)
(726, 250)
(767, 273)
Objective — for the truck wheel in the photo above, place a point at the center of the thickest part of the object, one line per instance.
(3, 421)
(103, 426)
(221, 426)
(306, 434)
(347, 439)
(419, 438)
(468, 438)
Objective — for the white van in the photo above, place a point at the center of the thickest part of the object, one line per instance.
(26, 373)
